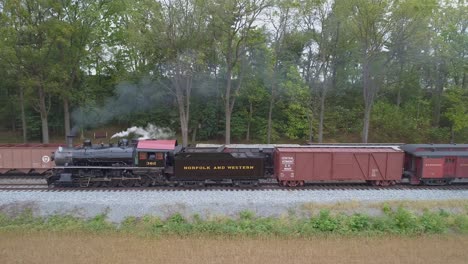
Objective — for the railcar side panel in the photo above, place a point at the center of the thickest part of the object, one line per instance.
(25, 158)
(462, 167)
(338, 164)
(217, 166)
(433, 168)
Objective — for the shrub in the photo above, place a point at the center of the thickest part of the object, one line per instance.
(325, 222)
(434, 222)
(399, 221)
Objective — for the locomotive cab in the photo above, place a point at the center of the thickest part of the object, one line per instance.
(154, 153)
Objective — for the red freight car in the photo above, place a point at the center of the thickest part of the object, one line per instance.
(26, 158)
(378, 165)
(436, 164)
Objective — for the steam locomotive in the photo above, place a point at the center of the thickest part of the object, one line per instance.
(162, 162)
(154, 162)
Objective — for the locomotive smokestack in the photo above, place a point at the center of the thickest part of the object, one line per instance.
(70, 141)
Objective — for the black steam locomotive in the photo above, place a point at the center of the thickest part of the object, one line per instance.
(156, 162)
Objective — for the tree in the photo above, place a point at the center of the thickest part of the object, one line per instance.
(448, 52)
(185, 26)
(281, 18)
(370, 22)
(34, 23)
(232, 22)
(457, 111)
(321, 58)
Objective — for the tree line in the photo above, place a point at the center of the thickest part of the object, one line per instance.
(242, 70)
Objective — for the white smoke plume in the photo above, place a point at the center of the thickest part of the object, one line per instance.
(150, 132)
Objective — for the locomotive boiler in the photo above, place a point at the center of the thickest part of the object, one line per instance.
(97, 155)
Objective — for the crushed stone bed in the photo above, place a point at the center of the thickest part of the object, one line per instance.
(119, 205)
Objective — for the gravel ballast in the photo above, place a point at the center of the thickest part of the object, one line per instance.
(119, 205)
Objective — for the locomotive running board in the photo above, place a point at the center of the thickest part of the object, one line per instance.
(107, 168)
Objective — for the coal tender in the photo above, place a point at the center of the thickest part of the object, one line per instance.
(219, 167)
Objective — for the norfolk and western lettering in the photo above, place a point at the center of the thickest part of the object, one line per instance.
(219, 167)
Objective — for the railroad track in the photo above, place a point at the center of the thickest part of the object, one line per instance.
(23, 183)
(37, 186)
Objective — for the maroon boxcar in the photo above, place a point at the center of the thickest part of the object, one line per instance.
(26, 158)
(377, 165)
(436, 163)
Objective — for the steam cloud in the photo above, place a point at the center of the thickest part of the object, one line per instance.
(129, 98)
(150, 132)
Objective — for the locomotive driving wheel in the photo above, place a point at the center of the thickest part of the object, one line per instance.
(114, 183)
(95, 184)
(127, 183)
(145, 181)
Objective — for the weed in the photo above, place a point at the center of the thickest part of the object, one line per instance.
(393, 221)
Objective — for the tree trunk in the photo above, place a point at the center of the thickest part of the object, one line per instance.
(365, 129)
(437, 103)
(322, 113)
(183, 120)
(227, 105)
(194, 134)
(270, 115)
(23, 116)
(66, 117)
(43, 112)
(440, 82)
(368, 97)
(228, 127)
(311, 126)
(249, 121)
(464, 81)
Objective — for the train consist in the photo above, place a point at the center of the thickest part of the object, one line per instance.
(162, 162)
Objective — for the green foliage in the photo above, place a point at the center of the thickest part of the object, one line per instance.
(392, 221)
(457, 108)
(285, 50)
(409, 123)
(325, 222)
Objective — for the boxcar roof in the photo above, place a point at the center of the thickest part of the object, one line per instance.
(346, 149)
(156, 144)
(412, 148)
(31, 145)
(440, 154)
(245, 146)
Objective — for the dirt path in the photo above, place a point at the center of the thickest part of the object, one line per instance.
(83, 248)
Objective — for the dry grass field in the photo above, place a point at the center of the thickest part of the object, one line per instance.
(86, 248)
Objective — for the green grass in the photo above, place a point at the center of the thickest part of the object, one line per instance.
(399, 221)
